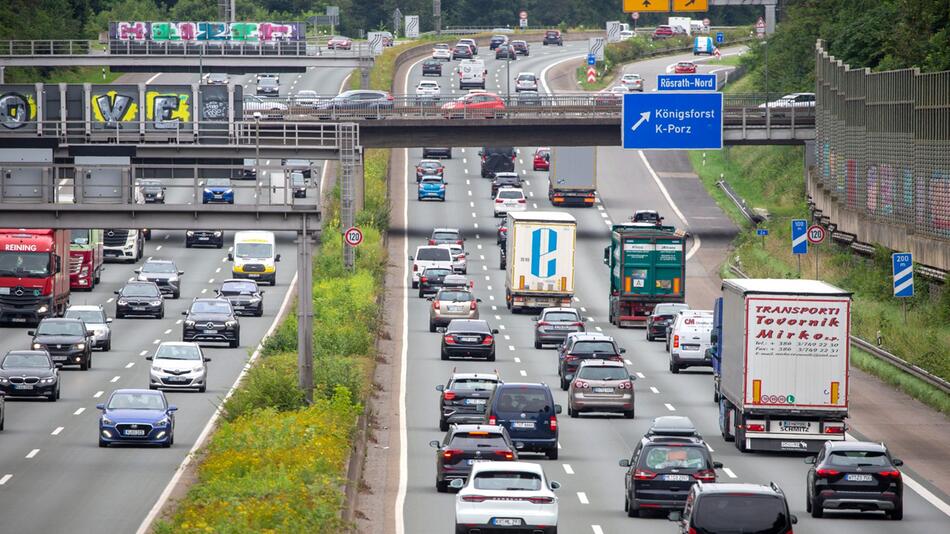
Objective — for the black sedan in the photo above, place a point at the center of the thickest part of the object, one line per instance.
(496, 41)
(67, 341)
(662, 318)
(245, 296)
(464, 398)
(432, 279)
(211, 320)
(506, 51)
(439, 152)
(464, 445)
(210, 238)
(29, 373)
(432, 67)
(139, 298)
(854, 475)
(468, 337)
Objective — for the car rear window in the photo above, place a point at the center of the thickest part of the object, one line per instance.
(456, 296)
(591, 347)
(752, 514)
(474, 440)
(523, 400)
(445, 235)
(468, 326)
(508, 481)
(510, 194)
(858, 459)
(673, 457)
(436, 272)
(603, 373)
(560, 316)
(433, 254)
(431, 180)
(473, 384)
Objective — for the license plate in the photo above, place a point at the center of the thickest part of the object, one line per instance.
(176, 379)
(522, 424)
(203, 238)
(18, 320)
(134, 433)
(468, 339)
(859, 478)
(209, 331)
(456, 309)
(253, 275)
(690, 347)
(677, 478)
(603, 390)
(58, 358)
(23, 386)
(796, 426)
(474, 401)
(138, 308)
(506, 522)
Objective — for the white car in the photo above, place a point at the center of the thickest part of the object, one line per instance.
(626, 34)
(442, 51)
(178, 365)
(459, 258)
(526, 81)
(506, 496)
(509, 199)
(690, 336)
(794, 100)
(268, 108)
(429, 256)
(274, 76)
(632, 82)
(95, 318)
(307, 98)
(428, 89)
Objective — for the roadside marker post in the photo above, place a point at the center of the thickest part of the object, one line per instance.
(799, 241)
(762, 232)
(816, 234)
(902, 267)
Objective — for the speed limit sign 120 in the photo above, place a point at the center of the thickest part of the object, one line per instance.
(816, 234)
(353, 236)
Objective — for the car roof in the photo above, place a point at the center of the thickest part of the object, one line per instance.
(212, 299)
(468, 323)
(140, 283)
(486, 376)
(525, 385)
(475, 428)
(869, 446)
(157, 393)
(85, 307)
(152, 260)
(456, 230)
(456, 279)
(507, 175)
(178, 343)
(672, 425)
(726, 487)
(589, 336)
(556, 309)
(506, 188)
(242, 280)
(60, 320)
(527, 467)
(601, 363)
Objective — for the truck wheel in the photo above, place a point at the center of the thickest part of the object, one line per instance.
(740, 439)
(552, 453)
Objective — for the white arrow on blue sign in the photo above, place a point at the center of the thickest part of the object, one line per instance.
(672, 121)
(591, 59)
(720, 37)
(799, 236)
(903, 268)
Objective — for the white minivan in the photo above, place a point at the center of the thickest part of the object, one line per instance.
(255, 256)
(429, 256)
(689, 338)
(472, 73)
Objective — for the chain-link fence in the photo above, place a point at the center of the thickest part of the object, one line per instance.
(883, 143)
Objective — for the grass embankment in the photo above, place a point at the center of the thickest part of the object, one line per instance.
(772, 178)
(275, 464)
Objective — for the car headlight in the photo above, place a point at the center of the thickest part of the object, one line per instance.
(207, 191)
(173, 279)
(155, 303)
(122, 302)
(37, 346)
(81, 346)
(230, 324)
(189, 324)
(162, 422)
(48, 380)
(156, 369)
(4, 380)
(189, 233)
(217, 234)
(106, 421)
(198, 370)
(42, 309)
(159, 195)
(228, 191)
(254, 300)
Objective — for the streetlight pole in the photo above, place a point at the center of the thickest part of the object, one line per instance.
(257, 155)
(508, 61)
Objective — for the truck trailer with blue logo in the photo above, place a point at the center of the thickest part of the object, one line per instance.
(540, 259)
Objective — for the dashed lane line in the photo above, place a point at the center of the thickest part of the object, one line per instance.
(670, 407)
(568, 469)
(115, 379)
(56, 431)
(729, 472)
(32, 453)
(98, 394)
(79, 411)
(582, 497)
(523, 372)
(654, 390)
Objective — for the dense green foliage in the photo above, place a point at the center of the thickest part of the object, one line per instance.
(878, 34)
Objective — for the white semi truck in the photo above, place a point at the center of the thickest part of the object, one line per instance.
(540, 259)
(782, 369)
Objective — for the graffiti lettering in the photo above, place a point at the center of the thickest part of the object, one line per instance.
(872, 189)
(167, 111)
(206, 31)
(16, 110)
(214, 109)
(112, 108)
(131, 31)
(940, 202)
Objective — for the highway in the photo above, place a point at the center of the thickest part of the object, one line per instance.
(53, 476)
(591, 496)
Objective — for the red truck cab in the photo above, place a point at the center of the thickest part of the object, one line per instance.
(34, 280)
(542, 159)
(85, 258)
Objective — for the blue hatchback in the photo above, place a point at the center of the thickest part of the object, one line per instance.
(529, 414)
(431, 186)
(218, 190)
(138, 416)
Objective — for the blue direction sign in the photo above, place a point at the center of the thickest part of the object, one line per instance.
(903, 267)
(591, 59)
(762, 232)
(720, 37)
(686, 82)
(799, 236)
(672, 121)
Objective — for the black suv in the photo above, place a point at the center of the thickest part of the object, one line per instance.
(29, 373)
(854, 475)
(164, 273)
(211, 320)
(529, 414)
(669, 459)
(727, 508)
(496, 41)
(140, 298)
(465, 397)
(209, 238)
(468, 337)
(432, 66)
(437, 152)
(552, 37)
(465, 444)
(245, 296)
(497, 159)
(67, 341)
(432, 279)
(505, 179)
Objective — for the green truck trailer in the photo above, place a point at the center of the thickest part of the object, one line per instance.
(647, 266)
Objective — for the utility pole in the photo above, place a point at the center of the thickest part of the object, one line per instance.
(437, 15)
(305, 310)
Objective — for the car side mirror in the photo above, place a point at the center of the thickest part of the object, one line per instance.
(810, 460)
(100, 406)
(90, 332)
(897, 462)
(184, 313)
(59, 366)
(181, 273)
(606, 255)
(793, 518)
(554, 485)
(623, 351)
(172, 408)
(717, 465)
(440, 387)
(624, 462)
(440, 329)
(557, 408)
(108, 320)
(149, 358)
(478, 300)
(277, 257)
(435, 444)
(31, 332)
(207, 359)
(457, 483)
(675, 515)
(115, 292)
(230, 257)
(494, 330)
(411, 258)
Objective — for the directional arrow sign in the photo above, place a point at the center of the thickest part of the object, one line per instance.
(672, 121)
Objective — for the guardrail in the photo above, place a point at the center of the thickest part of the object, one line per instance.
(311, 47)
(882, 354)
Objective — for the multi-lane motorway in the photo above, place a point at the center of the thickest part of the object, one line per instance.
(591, 497)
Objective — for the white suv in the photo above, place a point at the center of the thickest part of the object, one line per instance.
(506, 496)
(428, 89)
(633, 82)
(429, 256)
(509, 199)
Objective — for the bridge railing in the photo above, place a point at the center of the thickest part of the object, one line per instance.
(311, 47)
(51, 47)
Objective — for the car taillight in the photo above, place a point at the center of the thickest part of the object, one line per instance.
(488, 340)
(706, 475)
(498, 201)
(436, 305)
(676, 342)
(834, 429)
(691, 531)
(569, 357)
(449, 395)
(755, 428)
(505, 455)
(581, 384)
(544, 323)
(552, 423)
(459, 241)
(474, 498)
(643, 474)
(472, 307)
(449, 339)
(415, 267)
(626, 385)
(890, 474)
(540, 500)
(823, 472)
(522, 201)
(492, 420)
(423, 279)
(450, 453)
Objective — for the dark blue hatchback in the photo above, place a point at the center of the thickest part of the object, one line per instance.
(137, 416)
(529, 414)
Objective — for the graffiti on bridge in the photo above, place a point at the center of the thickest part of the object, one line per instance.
(251, 32)
(17, 107)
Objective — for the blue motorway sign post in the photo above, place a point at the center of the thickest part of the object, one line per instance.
(720, 37)
(686, 82)
(799, 241)
(902, 264)
(672, 121)
(591, 59)
(762, 232)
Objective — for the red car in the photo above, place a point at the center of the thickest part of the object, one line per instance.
(340, 43)
(685, 67)
(542, 159)
(662, 32)
(475, 105)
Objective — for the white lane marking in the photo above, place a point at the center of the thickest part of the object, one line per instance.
(590, 319)
(167, 236)
(475, 226)
(498, 318)
(581, 496)
(152, 79)
(156, 342)
(511, 348)
(132, 279)
(544, 71)
(729, 472)
(6, 478)
(482, 257)
(599, 329)
(489, 287)
(654, 390)
(143, 353)
(521, 161)
(203, 291)
(464, 160)
(517, 359)
(697, 242)
(568, 469)
(178, 321)
(79, 411)
(669, 407)
(501, 327)
(109, 300)
(129, 365)
(640, 375)
(115, 379)
(211, 280)
(98, 394)
(597, 529)
(583, 309)
(710, 448)
(534, 205)
(57, 431)
(32, 453)
(471, 204)
(158, 248)
(218, 270)
(628, 362)
(488, 278)
(576, 299)
(474, 215)
(224, 259)
(479, 246)
(169, 331)
(523, 372)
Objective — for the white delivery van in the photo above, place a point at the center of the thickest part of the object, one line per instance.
(429, 256)
(690, 336)
(255, 256)
(472, 73)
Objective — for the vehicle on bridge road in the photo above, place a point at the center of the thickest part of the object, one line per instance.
(339, 42)
(552, 37)
(475, 106)
(685, 67)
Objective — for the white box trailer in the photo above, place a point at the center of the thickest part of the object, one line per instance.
(784, 366)
(540, 259)
(573, 176)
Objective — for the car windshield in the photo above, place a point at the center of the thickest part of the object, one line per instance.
(32, 360)
(218, 77)
(178, 352)
(430, 164)
(140, 290)
(205, 306)
(743, 514)
(560, 316)
(254, 250)
(159, 267)
(468, 326)
(858, 459)
(523, 400)
(218, 182)
(136, 401)
(526, 77)
(592, 347)
(456, 296)
(87, 316)
(473, 384)
(478, 440)
(60, 328)
(669, 309)
(668, 457)
(238, 288)
(510, 194)
(267, 81)
(433, 254)
(150, 184)
(508, 481)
